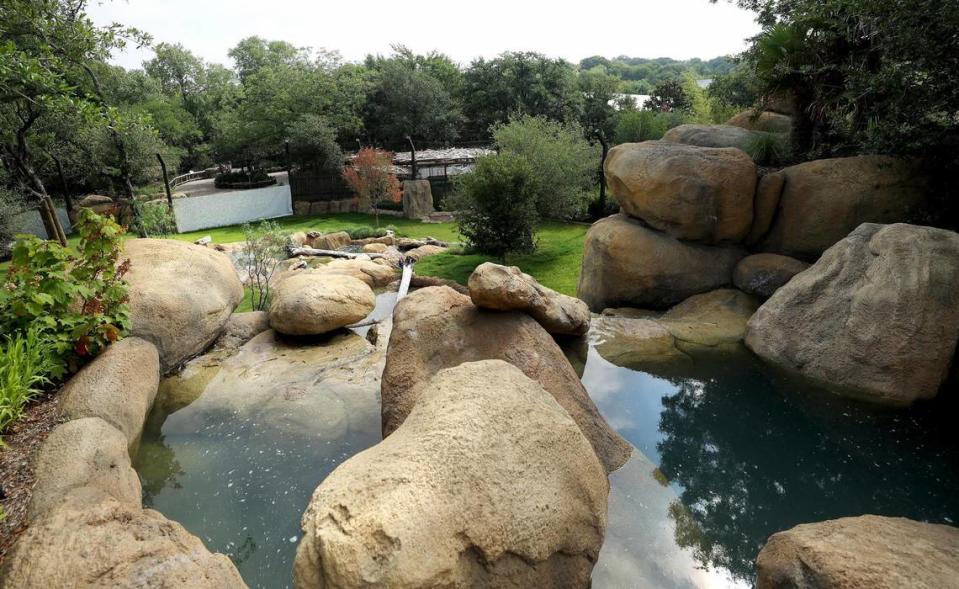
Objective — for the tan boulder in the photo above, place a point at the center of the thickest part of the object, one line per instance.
(241, 328)
(715, 319)
(417, 199)
(628, 264)
(181, 296)
(81, 453)
(507, 288)
(866, 552)
(635, 342)
(328, 241)
(375, 248)
(768, 191)
(712, 136)
(92, 541)
(768, 121)
(298, 238)
(487, 483)
(309, 303)
(694, 193)
(119, 387)
(874, 318)
(436, 328)
(824, 200)
(418, 253)
(763, 274)
(373, 274)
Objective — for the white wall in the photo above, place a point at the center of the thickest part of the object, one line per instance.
(231, 208)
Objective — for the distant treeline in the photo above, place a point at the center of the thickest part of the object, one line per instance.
(642, 75)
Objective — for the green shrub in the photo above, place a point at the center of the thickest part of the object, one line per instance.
(263, 250)
(27, 360)
(497, 205)
(366, 231)
(563, 163)
(646, 125)
(76, 298)
(157, 220)
(769, 149)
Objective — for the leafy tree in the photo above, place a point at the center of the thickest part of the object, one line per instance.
(372, 178)
(599, 95)
(669, 96)
(255, 53)
(496, 205)
(563, 164)
(519, 83)
(313, 144)
(264, 247)
(737, 89)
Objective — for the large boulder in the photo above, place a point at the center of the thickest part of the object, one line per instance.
(241, 328)
(712, 136)
(628, 264)
(328, 241)
(507, 288)
(80, 453)
(763, 274)
(487, 483)
(373, 274)
(768, 121)
(768, 191)
(181, 295)
(696, 193)
(824, 200)
(119, 387)
(417, 199)
(307, 303)
(867, 552)
(98, 542)
(715, 319)
(875, 317)
(436, 328)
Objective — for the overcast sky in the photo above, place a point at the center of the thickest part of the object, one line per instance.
(463, 30)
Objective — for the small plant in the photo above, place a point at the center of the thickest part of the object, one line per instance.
(157, 220)
(372, 179)
(27, 360)
(366, 232)
(497, 205)
(76, 298)
(769, 149)
(263, 250)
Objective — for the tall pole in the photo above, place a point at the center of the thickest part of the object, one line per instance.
(166, 182)
(412, 158)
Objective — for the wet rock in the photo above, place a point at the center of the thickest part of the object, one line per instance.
(861, 552)
(874, 318)
(96, 541)
(181, 296)
(507, 288)
(824, 200)
(308, 303)
(118, 387)
(635, 342)
(693, 193)
(417, 199)
(763, 274)
(628, 264)
(771, 122)
(487, 483)
(715, 319)
(81, 453)
(436, 328)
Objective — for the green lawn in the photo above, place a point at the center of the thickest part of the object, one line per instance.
(555, 263)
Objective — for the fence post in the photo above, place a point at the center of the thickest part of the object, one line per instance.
(166, 182)
(412, 158)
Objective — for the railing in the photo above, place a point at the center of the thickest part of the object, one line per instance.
(190, 177)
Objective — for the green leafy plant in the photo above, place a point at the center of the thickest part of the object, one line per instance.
(157, 220)
(263, 250)
(646, 125)
(26, 362)
(769, 149)
(76, 298)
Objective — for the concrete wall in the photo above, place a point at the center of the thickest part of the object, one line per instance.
(30, 222)
(231, 208)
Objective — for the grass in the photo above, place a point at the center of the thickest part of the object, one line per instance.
(555, 263)
(25, 362)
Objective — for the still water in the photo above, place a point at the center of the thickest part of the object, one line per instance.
(729, 453)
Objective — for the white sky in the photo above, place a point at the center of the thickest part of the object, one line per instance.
(463, 30)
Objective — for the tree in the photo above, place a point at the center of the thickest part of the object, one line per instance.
(518, 83)
(254, 53)
(668, 96)
(496, 205)
(599, 94)
(313, 145)
(372, 179)
(561, 160)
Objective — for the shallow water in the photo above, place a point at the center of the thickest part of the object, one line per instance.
(729, 453)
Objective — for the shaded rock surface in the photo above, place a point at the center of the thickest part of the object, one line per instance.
(418, 253)
(763, 274)
(712, 136)
(822, 201)
(309, 303)
(628, 264)
(436, 328)
(241, 328)
(417, 199)
(867, 552)
(507, 288)
(771, 122)
(713, 319)
(694, 193)
(119, 387)
(768, 191)
(181, 295)
(875, 317)
(328, 241)
(487, 483)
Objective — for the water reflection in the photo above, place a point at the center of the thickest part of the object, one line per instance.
(748, 452)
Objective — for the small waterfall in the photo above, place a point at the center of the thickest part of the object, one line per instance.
(405, 280)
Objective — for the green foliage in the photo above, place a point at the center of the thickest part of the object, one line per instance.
(640, 75)
(264, 248)
(365, 232)
(157, 220)
(497, 205)
(26, 362)
(738, 89)
(669, 96)
(769, 149)
(77, 299)
(313, 145)
(599, 90)
(645, 125)
(563, 163)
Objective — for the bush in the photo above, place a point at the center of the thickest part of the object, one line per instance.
(26, 362)
(264, 248)
(313, 145)
(645, 125)
(769, 149)
(371, 177)
(366, 232)
(563, 163)
(497, 205)
(76, 299)
(157, 220)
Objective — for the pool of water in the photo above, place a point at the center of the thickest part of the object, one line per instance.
(729, 452)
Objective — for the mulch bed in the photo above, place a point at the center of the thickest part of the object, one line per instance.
(22, 440)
